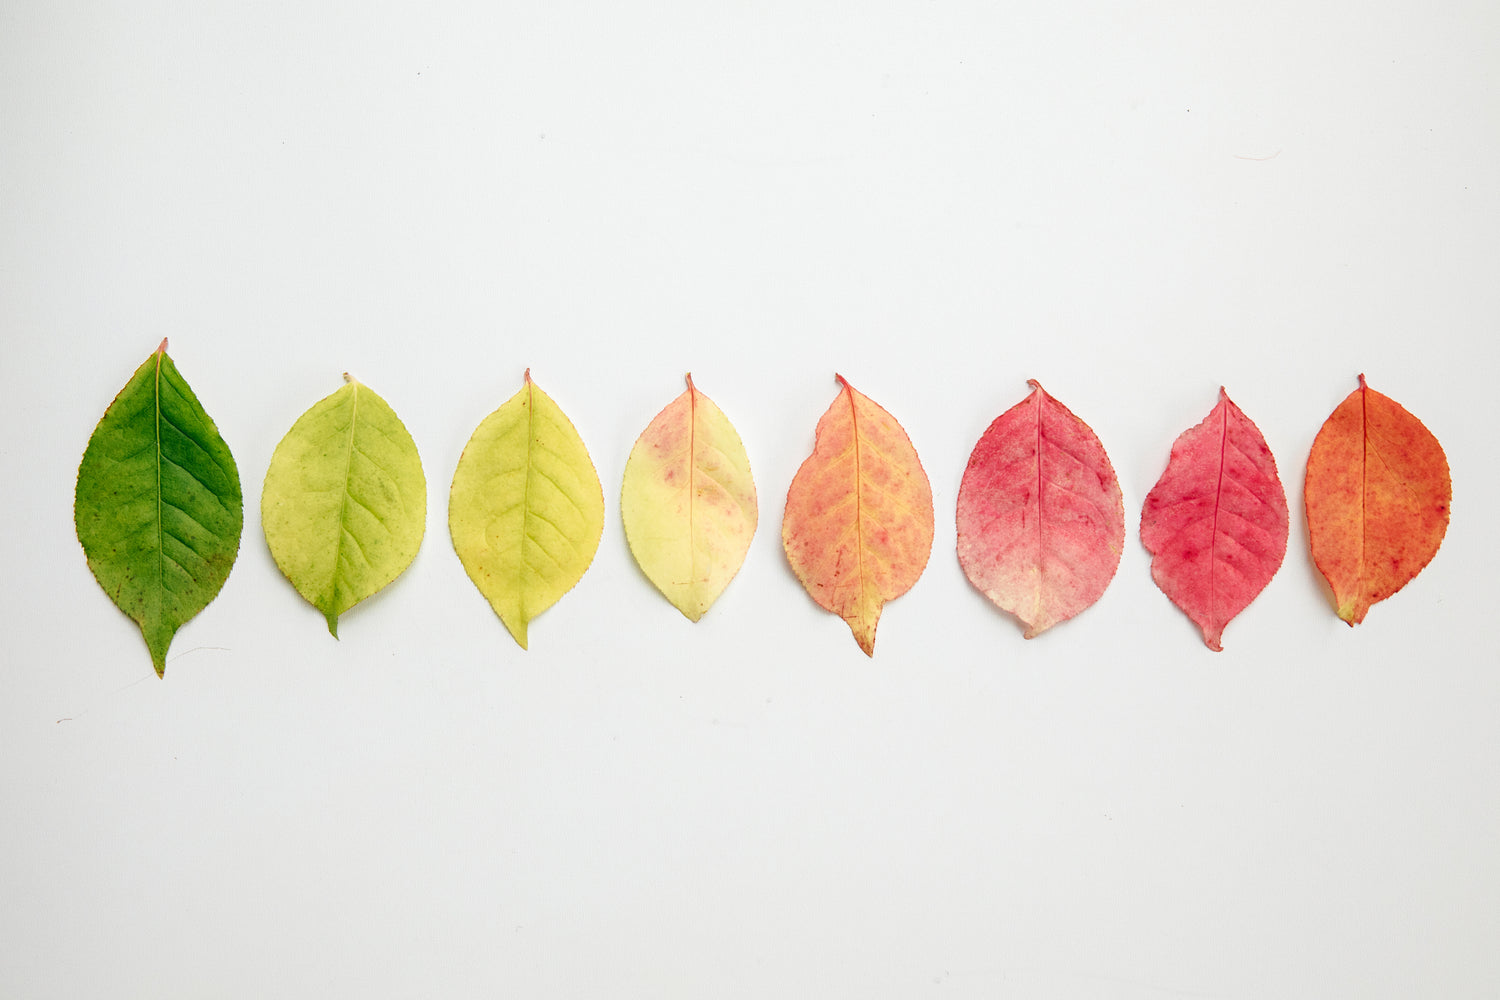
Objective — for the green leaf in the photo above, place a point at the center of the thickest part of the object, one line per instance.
(345, 501)
(526, 510)
(158, 506)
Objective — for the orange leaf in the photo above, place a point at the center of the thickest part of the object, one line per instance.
(858, 523)
(1377, 495)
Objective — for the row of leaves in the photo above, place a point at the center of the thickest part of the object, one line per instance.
(1041, 522)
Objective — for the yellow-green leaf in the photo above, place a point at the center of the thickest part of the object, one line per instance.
(526, 510)
(688, 502)
(345, 502)
(158, 506)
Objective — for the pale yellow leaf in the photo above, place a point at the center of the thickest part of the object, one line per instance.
(688, 502)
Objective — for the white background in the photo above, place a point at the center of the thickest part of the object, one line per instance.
(1133, 203)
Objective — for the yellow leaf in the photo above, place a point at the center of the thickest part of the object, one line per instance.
(526, 510)
(688, 502)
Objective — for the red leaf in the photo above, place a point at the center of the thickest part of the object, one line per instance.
(1040, 519)
(1216, 521)
(1377, 497)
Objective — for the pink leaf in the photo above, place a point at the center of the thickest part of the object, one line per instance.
(1040, 520)
(1216, 521)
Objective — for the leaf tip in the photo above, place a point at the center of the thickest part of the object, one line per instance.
(1362, 381)
(1213, 636)
(333, 623)
(864, 633)
(517, 631)
(157, 645)
(527, 377)
(1035, 385)
(691, 387)
(162, 348)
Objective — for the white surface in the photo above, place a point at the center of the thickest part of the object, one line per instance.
(1132, 203)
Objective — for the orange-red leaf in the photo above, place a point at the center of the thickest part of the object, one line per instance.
(858, 523)
(1377, 496)
(1216, 521)
(1040, 521)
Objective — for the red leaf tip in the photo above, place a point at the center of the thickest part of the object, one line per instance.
(1362, 381)
(1035, 385)
(527, 376)
(162, 348)
(691, 387)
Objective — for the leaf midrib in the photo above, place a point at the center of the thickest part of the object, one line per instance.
(521, 564)
(161, 544)
(859, 499)
(1041, 507)
(338, 553)
(1213, 536)
(1364, 485)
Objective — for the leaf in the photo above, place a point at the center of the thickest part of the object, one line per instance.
(345, 503)
(526, 510)
(688, 502)
(1216, 521)
(1377, 495)
(158, 506)
(1041, 524)
(858, 523)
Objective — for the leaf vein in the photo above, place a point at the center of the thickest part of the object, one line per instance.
(1103, 517)
(189, 515)
(547, 478)
(198, 482)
